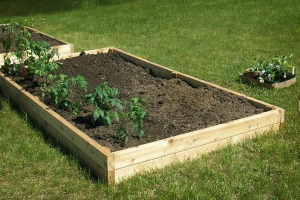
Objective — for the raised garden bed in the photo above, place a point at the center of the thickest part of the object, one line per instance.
(278, 72)
(62, 46)
(283, 84)
(187, 141)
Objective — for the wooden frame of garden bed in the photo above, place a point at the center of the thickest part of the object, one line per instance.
(283, 84)
(115, 166)
(65, 48)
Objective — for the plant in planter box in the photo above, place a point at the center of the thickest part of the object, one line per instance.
(275, 70)
(63, 92)
(60, 91)
(33, 54)
(135, 113)
(40, 62)
(15, 34)
(78, 101)
(122, 133)
(9, 31)
(104, 98)
(23, 47)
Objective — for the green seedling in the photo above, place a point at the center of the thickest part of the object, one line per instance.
(122, 133)
(60, 92)
(137, 114)
(80, 83)
(105, 99)
(9, 31)
(63, 92)
(13, 34)
(23, 45)
(41, 61)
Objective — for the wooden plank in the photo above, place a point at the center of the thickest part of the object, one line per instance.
(284, 84)
(155, 69)
(188, 154)
(246, 79)
(174, 144)
(73, 55)
(55, 124)
(84, 158)
(280, 85)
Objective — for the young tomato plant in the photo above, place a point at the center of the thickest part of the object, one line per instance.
(63, 92)
(77, 101)
(23, 46)
(137, 114)
(60, 91)
(122, 133)
(104, 99)
(9, 31)
(40, 62)
(15, 34)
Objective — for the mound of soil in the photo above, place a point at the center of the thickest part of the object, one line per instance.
(35, 36)
(174, 107)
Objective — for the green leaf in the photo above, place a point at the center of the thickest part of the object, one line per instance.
(117, 117)
(119, 106)
(96, 115)
(108, 120)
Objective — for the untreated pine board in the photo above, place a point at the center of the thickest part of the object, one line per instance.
(84, 158)
(89, 52)
(155, 69)
(174, 144)
(188, 154)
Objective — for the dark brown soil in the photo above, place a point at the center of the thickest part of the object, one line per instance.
(174, 106)
(35, 36)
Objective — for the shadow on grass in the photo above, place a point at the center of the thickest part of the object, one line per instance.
(51, 141)
(14, 8)
(249, 85)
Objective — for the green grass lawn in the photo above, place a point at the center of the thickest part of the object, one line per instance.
(211, 40)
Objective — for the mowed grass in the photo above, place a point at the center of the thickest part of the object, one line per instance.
(211, 40)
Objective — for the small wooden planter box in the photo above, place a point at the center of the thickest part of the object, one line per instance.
(65, 48)
(116, 166)
(283, 84)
